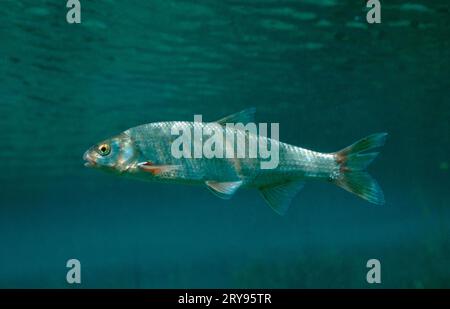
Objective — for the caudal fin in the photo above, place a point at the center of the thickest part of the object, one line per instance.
(353, 160)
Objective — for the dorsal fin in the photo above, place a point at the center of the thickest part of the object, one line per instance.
(223, 190)
(244, 117)
(279, 196)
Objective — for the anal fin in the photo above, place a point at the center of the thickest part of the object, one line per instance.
(279, 196)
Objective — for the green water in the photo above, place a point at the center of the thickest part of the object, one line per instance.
(316, 67)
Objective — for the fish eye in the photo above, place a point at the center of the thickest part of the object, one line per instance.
(104, 149)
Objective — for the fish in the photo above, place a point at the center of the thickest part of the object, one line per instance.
(146, 152)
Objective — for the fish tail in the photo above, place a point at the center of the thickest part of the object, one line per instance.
(352, 161)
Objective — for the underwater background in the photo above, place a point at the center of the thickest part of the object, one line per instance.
(314, 66)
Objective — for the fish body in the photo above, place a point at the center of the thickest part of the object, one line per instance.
(146, 152)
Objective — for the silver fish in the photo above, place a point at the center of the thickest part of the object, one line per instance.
(145, 152)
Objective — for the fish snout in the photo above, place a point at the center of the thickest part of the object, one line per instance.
(90, 161)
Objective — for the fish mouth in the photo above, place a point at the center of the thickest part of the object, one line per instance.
(90, 162)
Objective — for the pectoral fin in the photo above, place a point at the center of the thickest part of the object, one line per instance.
(224, 190)
(279, 196)
(156, 169)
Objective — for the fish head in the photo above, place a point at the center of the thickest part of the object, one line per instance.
(116, 154)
